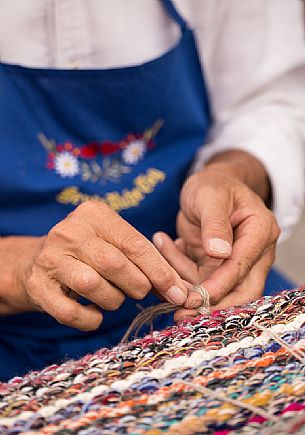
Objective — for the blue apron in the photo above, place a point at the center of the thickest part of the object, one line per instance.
(125, 136)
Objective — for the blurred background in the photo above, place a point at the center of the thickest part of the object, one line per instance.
(291, 254)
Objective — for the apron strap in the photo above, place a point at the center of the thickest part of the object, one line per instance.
(174, 14)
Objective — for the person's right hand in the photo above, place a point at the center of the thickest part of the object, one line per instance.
(95, 253)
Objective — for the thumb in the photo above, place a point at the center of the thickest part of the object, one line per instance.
(216, 230)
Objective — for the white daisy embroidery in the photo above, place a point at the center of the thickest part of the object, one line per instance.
(134, 152)
(66, 165)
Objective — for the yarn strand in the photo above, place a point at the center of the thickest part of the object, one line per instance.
(147, 315)
(241, 370)
(239, 403)
(299, 355)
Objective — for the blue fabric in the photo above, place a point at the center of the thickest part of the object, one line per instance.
(173, 12)
(125, 135)
(277, 282)
(87, 106)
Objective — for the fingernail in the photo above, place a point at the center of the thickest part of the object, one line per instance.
(220, 245)
(176, 296)
(158, 240)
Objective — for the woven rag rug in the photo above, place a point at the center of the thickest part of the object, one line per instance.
(238, 371)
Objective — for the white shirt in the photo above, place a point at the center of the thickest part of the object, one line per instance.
(252, 52)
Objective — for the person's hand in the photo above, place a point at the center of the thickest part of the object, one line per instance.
(227, 236)
(96, 254)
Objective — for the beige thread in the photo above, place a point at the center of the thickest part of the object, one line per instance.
(147, 315)
(239, 403)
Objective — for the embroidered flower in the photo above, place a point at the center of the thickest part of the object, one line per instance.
(90, 150)
(99, 160)
(134, 151)
(66, 164)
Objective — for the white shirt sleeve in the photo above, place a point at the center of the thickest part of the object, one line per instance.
(255, 68)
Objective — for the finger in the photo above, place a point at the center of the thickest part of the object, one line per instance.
(213, 238)
(84, 280)
(184, 314)
(181, 245)
(115, 267)
(251, 288)
(136, 248)
(48, 295)
(205, 264)
(75, 315)
(69, 292)
(186, 268)
(194, 300)
(196, 253)
(209, 265)
(247, 251)
(187, 284)
(161, 275)
(188, 231)
(216, 228)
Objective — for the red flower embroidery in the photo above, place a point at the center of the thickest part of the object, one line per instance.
(90, 150)
(69, 160)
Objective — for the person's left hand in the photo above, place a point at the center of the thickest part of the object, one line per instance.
(227, 238)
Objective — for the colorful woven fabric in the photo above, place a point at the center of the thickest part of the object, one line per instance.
(166, 382)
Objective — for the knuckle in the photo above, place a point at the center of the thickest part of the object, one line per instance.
(85, 283)
(161, 277)
(66, 315)
(67, 233)
(134, 245)
(58, 231)
(111, 261)
(92, 206)
(46, 259)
